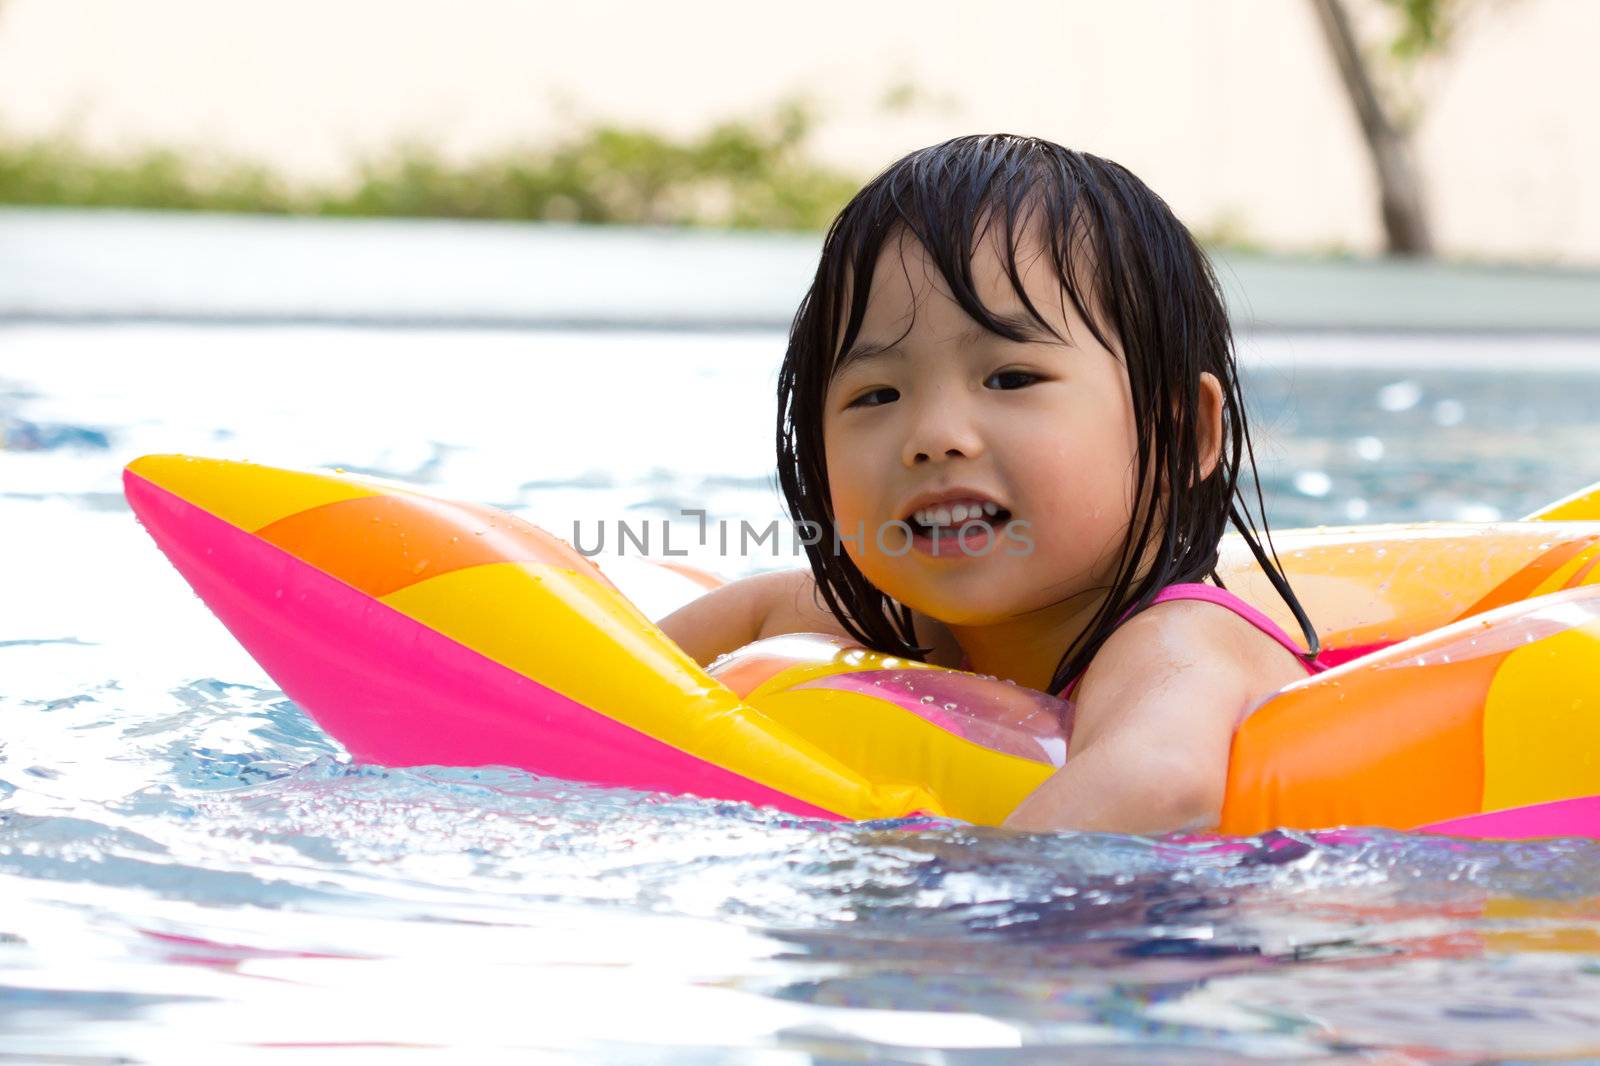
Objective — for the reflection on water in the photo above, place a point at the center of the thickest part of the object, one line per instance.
(187, 862)
(1413, 445)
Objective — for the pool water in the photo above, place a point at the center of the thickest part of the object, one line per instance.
(191, 870)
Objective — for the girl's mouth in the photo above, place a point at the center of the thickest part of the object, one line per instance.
(974, 535)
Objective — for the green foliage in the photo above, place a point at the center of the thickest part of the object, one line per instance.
(742, 174)
(1426, 27)
(57, 171)
(1419, 37)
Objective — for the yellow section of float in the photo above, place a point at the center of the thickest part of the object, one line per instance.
(1581, 506)
(266, 495)
(1541, 722)
(578, 637)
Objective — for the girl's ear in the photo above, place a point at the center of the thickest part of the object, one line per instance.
(1208, 423)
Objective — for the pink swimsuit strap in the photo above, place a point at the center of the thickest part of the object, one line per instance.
(1222, 598)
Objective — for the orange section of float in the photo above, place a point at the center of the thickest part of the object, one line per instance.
(1309, 757)
(1373, 586)
(1560, 567)
(383, 543)
(1495, 712)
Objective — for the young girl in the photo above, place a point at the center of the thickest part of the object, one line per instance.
(1011, 396)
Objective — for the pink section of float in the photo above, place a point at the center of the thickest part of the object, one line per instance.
(1562, 818)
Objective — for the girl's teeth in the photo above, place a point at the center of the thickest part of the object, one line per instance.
(954, 515)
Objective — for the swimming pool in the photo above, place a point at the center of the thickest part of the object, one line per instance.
(189, 868)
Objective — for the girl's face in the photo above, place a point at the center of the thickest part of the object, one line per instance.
(1042, 429)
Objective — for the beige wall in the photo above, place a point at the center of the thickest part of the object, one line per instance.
(1228, 108)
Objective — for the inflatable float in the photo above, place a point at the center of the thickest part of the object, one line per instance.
(421, 631)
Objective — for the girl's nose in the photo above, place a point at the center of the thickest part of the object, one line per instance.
(942, 430)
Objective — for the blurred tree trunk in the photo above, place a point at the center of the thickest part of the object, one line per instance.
(1401, 197)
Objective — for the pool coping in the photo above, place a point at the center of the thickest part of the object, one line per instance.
(71, 266)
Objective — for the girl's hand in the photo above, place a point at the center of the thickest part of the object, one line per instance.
(1156, 712)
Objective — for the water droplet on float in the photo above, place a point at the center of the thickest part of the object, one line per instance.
(949, 706)
(927, 699)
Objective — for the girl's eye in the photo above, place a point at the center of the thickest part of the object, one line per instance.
(1017, 378)
(866, 399)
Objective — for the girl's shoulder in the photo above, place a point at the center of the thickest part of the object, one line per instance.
(1234, 626)
(1201, 636)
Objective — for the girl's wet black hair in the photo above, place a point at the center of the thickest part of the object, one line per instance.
(1148, 283)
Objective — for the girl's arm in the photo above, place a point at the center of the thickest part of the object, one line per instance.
(1156, 714)
(727, 618)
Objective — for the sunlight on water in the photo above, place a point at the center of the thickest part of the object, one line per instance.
(187, 861)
